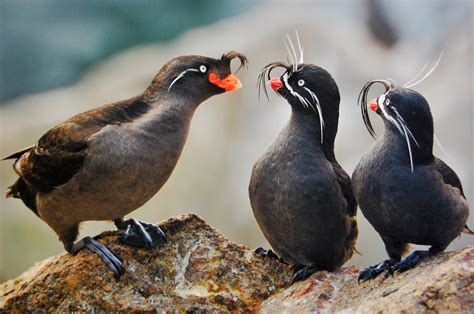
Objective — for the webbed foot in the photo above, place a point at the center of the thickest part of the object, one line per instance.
(412, 260)
(114, 264)
(260, 251)
(373, 271)
(302, 273)
(140, 234)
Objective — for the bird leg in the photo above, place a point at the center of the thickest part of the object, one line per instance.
(114, 264)
(413, 259)
(140, 234)
(373, 271)
(303, 272)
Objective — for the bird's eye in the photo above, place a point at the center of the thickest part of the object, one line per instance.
(387, 102)
(203, 68)
(300, 82)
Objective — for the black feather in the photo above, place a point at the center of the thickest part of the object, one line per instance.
(346, 186)
(449, 176)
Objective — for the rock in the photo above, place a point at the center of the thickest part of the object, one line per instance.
(196, 270)
(441, 284)
(200, 270)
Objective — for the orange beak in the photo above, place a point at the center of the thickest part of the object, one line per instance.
(374, 106)
(231, 82)
(275, 83)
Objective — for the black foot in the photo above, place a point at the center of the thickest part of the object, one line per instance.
(297, 267)
(140, 234)
(303, 273)
(373, 271)
(411, 260)
(108, 257)
(260, 251)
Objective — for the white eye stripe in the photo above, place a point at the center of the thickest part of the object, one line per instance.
(381, 100)
(399, 123)
(300, 82)
(383, 105)
(203, 68)
(306, 103)
(320, 112)
(180, 75)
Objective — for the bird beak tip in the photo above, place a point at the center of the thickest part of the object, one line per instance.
(275, 83)
(374, 105)
(230, 83)
(238, 85)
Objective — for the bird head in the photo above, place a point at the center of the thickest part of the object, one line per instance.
(405, 113)
(307, 88)
(198, 76)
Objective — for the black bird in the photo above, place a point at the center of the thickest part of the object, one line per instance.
(301, 197)
(406, 193)
(105, 163)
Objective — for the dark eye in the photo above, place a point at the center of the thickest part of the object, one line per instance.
(300, 82)
(203, 68)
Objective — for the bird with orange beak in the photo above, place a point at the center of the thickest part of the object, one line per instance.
(105, 163)
(301, 197)
(405, 192)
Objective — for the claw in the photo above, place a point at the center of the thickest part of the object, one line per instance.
(373, 271)
(141, 234)
(260, 251)
(157, 230)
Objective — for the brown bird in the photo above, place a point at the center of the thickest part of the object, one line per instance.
(301, 197)
(105, 163)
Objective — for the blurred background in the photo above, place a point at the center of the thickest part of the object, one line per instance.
(59, 58)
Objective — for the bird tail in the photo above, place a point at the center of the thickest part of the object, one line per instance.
(25, 192)
(467, 230)
(13, 191)
(352, 238)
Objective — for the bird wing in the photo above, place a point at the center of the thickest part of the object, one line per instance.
(449, 176)
(346, 186)
(56, 157)
(60, 153)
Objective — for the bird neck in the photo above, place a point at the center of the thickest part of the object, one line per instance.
(168, 114)
(160, 90)
(308, 125)
(397, 146)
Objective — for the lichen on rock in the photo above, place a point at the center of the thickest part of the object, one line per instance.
(197, 269)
